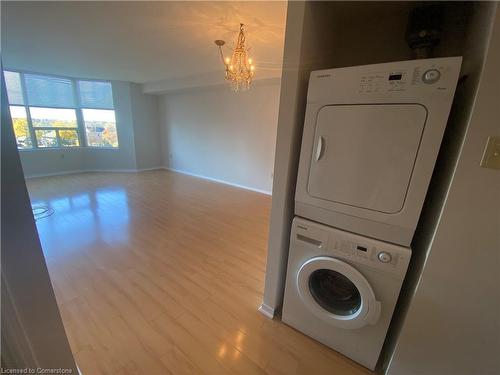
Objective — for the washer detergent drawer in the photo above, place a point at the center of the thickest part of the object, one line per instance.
(363, 155)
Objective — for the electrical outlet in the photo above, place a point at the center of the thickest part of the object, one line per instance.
(491, 155)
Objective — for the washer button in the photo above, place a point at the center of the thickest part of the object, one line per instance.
(431, 76)
(384, 257)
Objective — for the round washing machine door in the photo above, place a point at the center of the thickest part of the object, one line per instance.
(337, 293)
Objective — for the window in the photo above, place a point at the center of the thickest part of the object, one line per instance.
(14, 90)
(49, 111)
(49, 91)
(20, 123)
(100, 126)
(55, 127)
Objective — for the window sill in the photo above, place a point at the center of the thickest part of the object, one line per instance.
(100, 148)
(67, 148)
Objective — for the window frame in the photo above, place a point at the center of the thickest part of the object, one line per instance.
(80, 128)
(56, 128)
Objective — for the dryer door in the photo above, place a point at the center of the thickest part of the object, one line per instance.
(363, 155)
(337, 293)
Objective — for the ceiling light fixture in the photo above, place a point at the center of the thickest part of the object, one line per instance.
(239, 67)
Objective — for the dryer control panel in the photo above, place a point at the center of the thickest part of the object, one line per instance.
(391, 81)
(398, 80)
(414, 77)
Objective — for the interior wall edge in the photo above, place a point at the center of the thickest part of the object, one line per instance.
(292, 97)
(158, 88)
(224, 86)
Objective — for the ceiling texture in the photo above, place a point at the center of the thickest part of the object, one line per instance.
(162, 44)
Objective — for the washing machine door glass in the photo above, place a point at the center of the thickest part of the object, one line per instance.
(334, 292)
(337, 293)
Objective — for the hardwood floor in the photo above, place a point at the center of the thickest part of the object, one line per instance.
(162, 273)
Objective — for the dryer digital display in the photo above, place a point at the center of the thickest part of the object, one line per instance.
(395, 77)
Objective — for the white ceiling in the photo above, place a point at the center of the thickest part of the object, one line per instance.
(138, 41)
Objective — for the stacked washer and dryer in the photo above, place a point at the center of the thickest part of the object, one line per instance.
(371, 138)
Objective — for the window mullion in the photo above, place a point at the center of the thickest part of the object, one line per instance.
(58, 137)
(34, 142)
(82, 136)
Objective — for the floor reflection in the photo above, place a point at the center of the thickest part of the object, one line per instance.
(81, 219)
(159, 273)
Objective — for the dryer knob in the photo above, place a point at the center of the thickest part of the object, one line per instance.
(431, 76)
(384, 257)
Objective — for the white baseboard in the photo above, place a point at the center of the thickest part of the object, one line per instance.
(220, 181)
(150, 169)
(75, 171)
(267, 311)
(36, 175)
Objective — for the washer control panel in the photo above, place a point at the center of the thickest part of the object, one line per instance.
(363, 251)
(318, 239)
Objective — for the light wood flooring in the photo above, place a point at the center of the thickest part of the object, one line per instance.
(162, 273)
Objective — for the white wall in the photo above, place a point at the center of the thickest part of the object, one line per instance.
(54, 161)
(138, 138)
(453, 323)
(222, 135)
(146, 128)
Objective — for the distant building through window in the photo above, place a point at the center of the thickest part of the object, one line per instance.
(51, 112)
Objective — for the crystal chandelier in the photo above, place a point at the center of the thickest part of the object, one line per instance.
(239, 67)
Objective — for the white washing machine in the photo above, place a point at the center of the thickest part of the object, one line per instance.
(371, 138)
(341, 288)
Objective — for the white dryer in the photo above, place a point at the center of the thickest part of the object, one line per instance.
(341, 288)
(371, 138)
